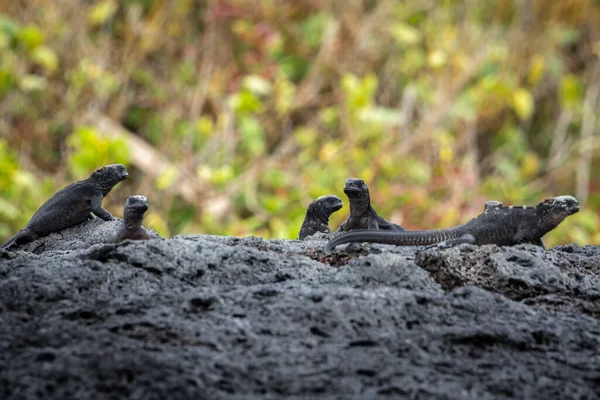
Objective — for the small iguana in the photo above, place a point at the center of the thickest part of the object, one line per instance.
(71, 205)
(362, 214)
(500, 225)
(133, 215)
(317, 215)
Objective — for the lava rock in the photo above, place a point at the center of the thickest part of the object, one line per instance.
(203, 316)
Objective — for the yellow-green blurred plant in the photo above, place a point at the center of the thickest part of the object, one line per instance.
(89, 151)
(251, 110)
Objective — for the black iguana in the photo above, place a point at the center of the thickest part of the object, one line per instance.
(500, 225)
(71, 205)
(133, 215)
(362, 214)
(317, 215)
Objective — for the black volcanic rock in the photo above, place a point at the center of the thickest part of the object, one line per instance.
(204, 316)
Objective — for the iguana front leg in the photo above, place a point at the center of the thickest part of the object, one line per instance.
(96, 206)
(538, 242)
(372, 224)
(525, 236)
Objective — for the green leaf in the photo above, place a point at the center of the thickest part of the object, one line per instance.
(252, 136)
(437, 58)
(8, 211)
(380, 115)
(359, 93)
(329, 116)
(32, 83)
(45, 57)
(166, 178)
(5, 41)
(312, 29)
(30, 37)
(9, 27)
(102, 12)
(285, 92)
(203, 128)
(222, 175)
(244, 102)
(8, 81)
(523, 103)
(465, 106)
(294, 67)
(274, 204)
(275, 177)
(537, 68)
(305, 136)
(571, 91)
(106, 84)
(186, 72)
(257, 85)
(406, 34)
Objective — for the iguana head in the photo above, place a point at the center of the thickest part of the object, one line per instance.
(324, 206)
(135, 207)
(356, 189)
(553, 210)
(108, 176)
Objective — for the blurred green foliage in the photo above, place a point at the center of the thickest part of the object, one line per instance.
(233, 115)
(88, 150)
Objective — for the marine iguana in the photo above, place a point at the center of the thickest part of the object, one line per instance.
(317, 215)
(500, 225)
(71, 205)
(362, 214)
(133, 215)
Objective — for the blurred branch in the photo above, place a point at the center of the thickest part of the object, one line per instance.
(309, 87)
(148, 159)
(192, 189)
(557, 150)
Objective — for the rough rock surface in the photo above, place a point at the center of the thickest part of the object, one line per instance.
(81, 236)
(221, 317)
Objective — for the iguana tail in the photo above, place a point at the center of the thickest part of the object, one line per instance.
(25, 235)
(406, 238)
(9, 243)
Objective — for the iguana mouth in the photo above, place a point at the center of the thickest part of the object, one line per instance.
(140, 207)
(352, 191)
(337, 206)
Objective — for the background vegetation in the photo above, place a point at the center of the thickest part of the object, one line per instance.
(233, 115)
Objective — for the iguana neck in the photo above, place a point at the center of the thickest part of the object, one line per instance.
(317, 213)
(105, 188)
(133, 221)
(360, 206)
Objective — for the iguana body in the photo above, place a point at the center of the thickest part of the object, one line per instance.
(503, 226)
(317, 215)
(133, 215)
(71, 205)
(362, 214)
